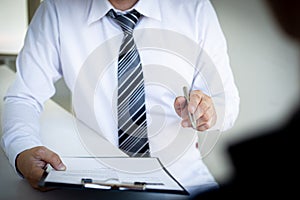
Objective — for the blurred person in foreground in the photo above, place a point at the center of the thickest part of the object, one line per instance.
(266, 166)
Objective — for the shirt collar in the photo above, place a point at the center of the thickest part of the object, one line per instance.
(99, 8)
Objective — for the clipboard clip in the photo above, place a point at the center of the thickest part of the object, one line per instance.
(89, 183)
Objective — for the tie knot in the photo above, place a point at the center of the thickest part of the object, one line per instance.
(126, 21)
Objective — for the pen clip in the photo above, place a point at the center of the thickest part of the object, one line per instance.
(186, 94)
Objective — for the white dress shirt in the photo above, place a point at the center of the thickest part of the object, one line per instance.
(77, 41)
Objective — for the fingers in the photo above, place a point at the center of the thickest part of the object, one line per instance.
(204, 110)
(195, 98)
(179, 105)
(49, 157)
(207, 120)
(201, 106)
(31, 164)
(34, 176)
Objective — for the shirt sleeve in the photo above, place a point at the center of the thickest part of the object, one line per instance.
(38, 67)
(218, 72)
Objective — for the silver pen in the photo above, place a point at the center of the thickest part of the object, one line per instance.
(187, 97)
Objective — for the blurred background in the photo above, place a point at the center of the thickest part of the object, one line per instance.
(264, 63)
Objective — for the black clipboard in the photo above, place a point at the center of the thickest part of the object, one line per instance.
(89, 183)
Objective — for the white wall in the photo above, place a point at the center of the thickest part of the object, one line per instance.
(13, 25)
(265, 65)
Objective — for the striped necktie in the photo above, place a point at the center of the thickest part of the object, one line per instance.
(132, 124)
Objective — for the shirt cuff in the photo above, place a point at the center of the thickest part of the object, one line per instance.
(15, 149)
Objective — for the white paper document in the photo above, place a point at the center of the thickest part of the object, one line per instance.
(146, 174)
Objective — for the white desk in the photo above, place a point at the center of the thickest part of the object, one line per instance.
(56, 120)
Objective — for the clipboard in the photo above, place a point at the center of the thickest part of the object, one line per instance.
(113, 173)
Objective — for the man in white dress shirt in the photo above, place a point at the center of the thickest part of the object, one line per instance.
(60, 41)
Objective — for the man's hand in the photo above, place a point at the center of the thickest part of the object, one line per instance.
(31, 164)
(201, 106)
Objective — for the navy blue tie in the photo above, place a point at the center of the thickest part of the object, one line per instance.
(132, 124)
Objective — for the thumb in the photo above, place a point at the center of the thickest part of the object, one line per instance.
(52, 158)
(179, 105)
